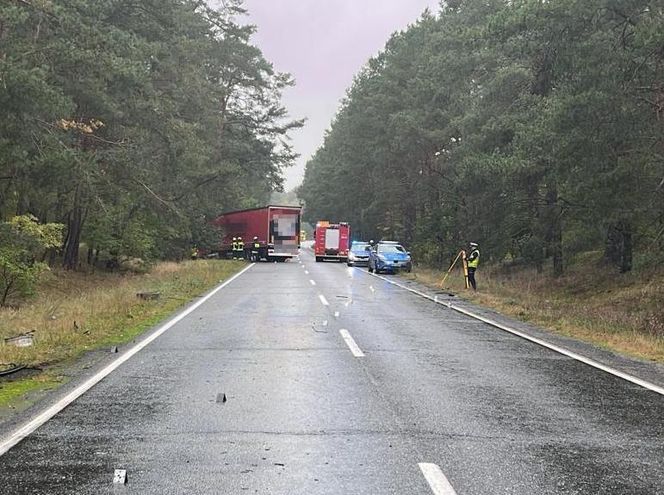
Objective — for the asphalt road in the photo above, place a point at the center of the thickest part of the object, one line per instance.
(337, 382)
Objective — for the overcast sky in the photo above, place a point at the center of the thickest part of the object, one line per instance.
(323, 44)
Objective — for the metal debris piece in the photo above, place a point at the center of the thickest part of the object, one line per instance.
(22, 340)
(221, 398)
(8, 369)
(148, 296)
(120, 477)
(114, 349)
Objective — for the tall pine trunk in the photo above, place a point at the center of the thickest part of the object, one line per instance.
(74, 228)
(555, 229)
(618, 249)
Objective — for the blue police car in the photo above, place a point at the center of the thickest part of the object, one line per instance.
(389, 256)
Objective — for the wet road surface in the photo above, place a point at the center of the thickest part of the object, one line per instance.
(337, 382)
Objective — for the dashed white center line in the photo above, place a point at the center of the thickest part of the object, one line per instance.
(312, 282)
(336, 314)
(350, 342)
(436, 479)
(372, 288)
(323, 300)
(306, 272)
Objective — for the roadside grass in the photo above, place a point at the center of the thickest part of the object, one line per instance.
(77, 312)
(590, 302)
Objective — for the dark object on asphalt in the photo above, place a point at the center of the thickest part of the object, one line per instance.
(221, 398)
(114, 349)
(148, 296)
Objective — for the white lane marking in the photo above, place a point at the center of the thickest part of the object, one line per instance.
(306, 272)
(436, 479)
(350, 342)
(535, 340)
(312, 282)
(22, 432)
(372, 288)
(325, 323)
(323, 300)
(336, 314)
(348, 303)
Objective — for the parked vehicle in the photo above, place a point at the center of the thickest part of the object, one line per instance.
(277, 229)
(358, 254)
(389, 256)
(331, 241)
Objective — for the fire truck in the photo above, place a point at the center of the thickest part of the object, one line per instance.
(277, 229)
(331, 241)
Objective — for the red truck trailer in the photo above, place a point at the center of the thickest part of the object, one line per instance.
(331, 241)
(276, 227)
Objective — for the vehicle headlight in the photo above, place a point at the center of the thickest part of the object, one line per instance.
(351, 257)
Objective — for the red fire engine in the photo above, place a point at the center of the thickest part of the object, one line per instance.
(331, 241)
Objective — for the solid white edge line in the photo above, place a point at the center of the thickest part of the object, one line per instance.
(323, 300)
(350, 342)
(437, 480)
(590, 362)
(28, 428)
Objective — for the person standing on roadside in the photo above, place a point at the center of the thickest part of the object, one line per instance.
(240, 249)
(473, 261)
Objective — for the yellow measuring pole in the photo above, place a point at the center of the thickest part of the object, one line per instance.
(452, 268)
(465, 269)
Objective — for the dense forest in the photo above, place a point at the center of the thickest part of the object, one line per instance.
(531, 127)
(131, 123)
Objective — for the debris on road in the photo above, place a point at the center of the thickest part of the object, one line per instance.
(120, 477)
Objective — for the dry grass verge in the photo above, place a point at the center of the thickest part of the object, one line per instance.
(621, 312)
(77, 312)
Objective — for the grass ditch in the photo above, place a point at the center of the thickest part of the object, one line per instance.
(76, 312)
(590, 302)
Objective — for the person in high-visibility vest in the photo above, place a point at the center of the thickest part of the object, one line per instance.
(255, 250)
(234, 247)
(240, 248)
(473, 261)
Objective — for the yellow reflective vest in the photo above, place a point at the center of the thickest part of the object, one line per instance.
(474, 258)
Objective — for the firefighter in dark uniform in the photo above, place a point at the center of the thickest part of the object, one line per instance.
(473, 261)
(240, 248)
(234, 247)
(255, 249)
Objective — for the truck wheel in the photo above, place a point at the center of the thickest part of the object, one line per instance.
(318, 259)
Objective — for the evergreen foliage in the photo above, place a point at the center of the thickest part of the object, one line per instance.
(134, 122)
(534, 128)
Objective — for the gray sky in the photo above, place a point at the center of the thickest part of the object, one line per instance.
(323, 44)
